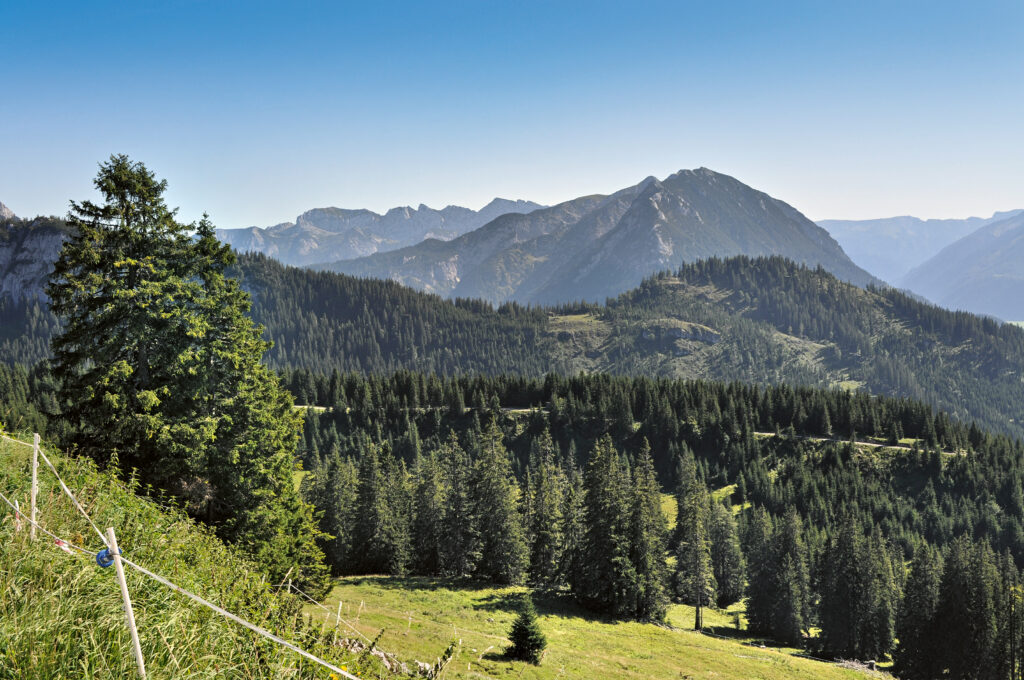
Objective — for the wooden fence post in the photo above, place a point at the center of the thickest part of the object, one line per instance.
(35, 483)
(128, 612)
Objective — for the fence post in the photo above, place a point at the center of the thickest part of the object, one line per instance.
(128, 612)
(35, 483)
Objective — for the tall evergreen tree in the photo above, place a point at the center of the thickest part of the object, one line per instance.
(574, 529)
(503, 552)
(761, 585)
(916, 654)
(428, 517)
(332, 489)
(695, 579)
(966, 633)
(460, 547)
(727, 561)
(606, 579)
(545, 516)
(380, 541)
(791, 607)
(648, 533)
(158, 362)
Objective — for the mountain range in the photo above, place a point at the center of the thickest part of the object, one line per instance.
(328, 234)
(982, 272)
(597, 246)
(764, 320)
(891, 247)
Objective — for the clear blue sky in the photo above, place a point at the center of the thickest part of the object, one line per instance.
(257, 111)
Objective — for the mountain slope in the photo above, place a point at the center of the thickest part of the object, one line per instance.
(327, 234)
(981, 273)
(63, 617)
(756, 320)
(598, 246)
(889, 248)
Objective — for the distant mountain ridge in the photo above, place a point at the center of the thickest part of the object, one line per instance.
(6, 213)
(327, 234)
(593, 247)
(890, 247)
(982, 272)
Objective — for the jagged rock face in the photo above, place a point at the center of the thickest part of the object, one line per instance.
(328, 234)
(599, 246)
(6, 213)
(28, 250)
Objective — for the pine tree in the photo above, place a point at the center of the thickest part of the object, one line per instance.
(966, 610)
(159, 363)
(761, 586)
(574, 528)
(695, 579)
(428, 517)
(791, 606)
(545, 517)
(727, 561)
(528, 642)
(606, 580)
(331, 488)
(648, 534)
(857, 608)
(380, 542)
(460, 547)
(917, 628)
(503, 553)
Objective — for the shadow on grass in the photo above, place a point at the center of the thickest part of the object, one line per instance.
(431, 583)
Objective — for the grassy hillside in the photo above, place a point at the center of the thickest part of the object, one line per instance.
(421, 615)
(61, 615)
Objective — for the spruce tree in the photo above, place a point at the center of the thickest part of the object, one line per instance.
(380, 540)
(460, 547)
(545, 517)
(528, 642)
(158, 362)
(428, 517)
(966, 611)
(695, 579)
(331, 488)
(503, 552)
(573, 527)
(648, 534)
(606, 580)
(791, 582)
(727, 561)
(916, 654)
(761, 585)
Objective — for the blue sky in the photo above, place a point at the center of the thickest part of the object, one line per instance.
(256, 111)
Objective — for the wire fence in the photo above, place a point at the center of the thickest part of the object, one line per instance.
(71, 547)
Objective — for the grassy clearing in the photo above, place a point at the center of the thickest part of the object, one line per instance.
(61, 615)
(420, 616)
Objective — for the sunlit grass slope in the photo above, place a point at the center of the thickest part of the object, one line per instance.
(422, 615)
(61, 615)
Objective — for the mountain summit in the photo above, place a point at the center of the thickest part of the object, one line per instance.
(327, 234)
(6, 213)
(596, 246)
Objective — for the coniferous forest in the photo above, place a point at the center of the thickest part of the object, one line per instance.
(405, 434)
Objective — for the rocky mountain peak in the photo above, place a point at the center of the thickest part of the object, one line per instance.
(6, 213)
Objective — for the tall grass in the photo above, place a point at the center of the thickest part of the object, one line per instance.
(61, 615)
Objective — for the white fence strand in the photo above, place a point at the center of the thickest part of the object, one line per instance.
(239, 620)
